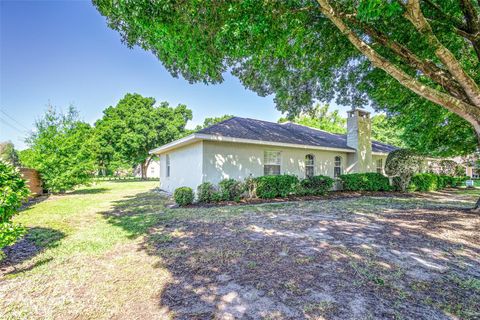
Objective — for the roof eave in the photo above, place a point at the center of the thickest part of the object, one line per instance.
(175, 144)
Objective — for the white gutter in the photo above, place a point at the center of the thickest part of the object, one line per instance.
(199, 136)
(379, 153)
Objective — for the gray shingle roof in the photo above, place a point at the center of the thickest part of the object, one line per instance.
(244, 128)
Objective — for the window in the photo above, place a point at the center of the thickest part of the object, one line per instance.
(309, 165)
(380, 166)
(272, 162)
(337, 171)
(167, 165)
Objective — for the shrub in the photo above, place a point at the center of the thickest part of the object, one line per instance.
(424, 182)
(433, 182)
(316, 185)
(403, 164)
(183, 196)
(205, 192)
(276, 186)
(230, 189)
(13, 191)
(369, 181)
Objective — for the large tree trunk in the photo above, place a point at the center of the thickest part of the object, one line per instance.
(466, 106)
(144, 167)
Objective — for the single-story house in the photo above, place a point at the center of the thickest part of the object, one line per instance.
(153, 170)
(242, 147)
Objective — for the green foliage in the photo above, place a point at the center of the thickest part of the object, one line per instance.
(276, 186)
(13, 191)
(290, 50)
(128, 131)
(386, 130)
(213, 120)
(369, 181)
(61, 150)
(402, 163)
(321, 118)
(9, 234)
(205, 192)
(316, 185)
(230, 189)
(8, 153)
(183, 196)
(432, 182)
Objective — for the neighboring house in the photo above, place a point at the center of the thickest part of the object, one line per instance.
(153, 169)
(240, 147)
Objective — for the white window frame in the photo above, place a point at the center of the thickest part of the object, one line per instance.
(309, 165)
(379, 168)
(267, 161)
(335, 166)
(167, 165)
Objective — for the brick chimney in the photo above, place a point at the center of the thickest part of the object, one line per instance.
(359, 130)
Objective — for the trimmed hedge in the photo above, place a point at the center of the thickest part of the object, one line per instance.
(369, 181)
(315, 186)
(205, 192)
(433, 182)
(269, 187)
(230, 189)
(183, 196)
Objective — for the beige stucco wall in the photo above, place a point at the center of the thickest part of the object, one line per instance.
(186, 165)
(238, 160)
(214, 161)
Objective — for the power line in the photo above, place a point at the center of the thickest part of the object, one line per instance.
(21, 125)
(12, 126)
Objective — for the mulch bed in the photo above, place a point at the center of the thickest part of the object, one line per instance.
(336, 195)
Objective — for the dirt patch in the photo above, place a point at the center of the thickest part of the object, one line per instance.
(325, 260)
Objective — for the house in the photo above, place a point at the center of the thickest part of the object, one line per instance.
(153, 170)
(241, 147)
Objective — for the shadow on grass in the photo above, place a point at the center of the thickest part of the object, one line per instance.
(310, 260)
(88, 191)
(136, 214)
(34, 242)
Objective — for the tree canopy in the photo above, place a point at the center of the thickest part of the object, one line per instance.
(129, 130)
(60, 149)
(213, 120)
(322, 118)
(8, 153)
(394, 55)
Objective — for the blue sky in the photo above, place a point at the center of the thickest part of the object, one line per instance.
(62, 52)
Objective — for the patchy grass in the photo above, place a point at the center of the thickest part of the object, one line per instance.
(114, 250)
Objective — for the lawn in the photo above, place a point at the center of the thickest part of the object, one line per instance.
(115, 250)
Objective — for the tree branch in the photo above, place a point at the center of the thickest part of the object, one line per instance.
(469, 112)
(437, 74)
(414, 14)
(465, 30)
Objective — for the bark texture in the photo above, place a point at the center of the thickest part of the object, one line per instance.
(460, 94)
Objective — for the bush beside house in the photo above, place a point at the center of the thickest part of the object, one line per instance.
(282, 186)
(365, 182)
(183, 196)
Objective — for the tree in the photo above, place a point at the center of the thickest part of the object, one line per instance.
(129, 130)
(213, 120)
(402, 164)
(367, 51)
(321, 118)
(8, 153)
(13, 191)
(60, 149)
(386, 130)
